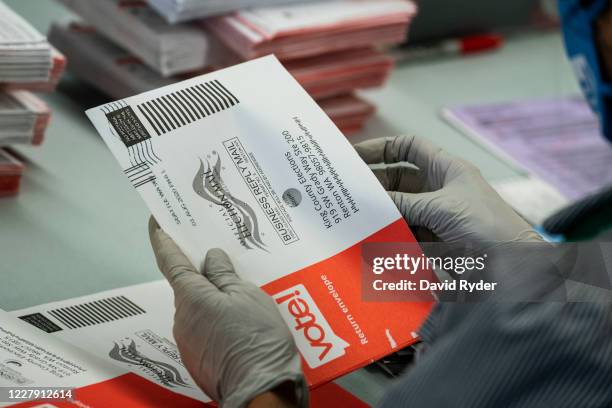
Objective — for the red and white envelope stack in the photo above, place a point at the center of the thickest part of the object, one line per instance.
(332, 48)
(28, 64)
(99, 62)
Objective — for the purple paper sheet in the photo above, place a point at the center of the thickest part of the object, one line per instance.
(558, 140)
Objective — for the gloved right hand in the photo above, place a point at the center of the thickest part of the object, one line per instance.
(443, 194)
(231, 336)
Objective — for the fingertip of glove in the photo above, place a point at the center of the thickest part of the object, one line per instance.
(370, 150)
(217, 260)
(157, 235)
(216, 256)
(392, 194)
(360, 147)
(216, 252)
(153, 225)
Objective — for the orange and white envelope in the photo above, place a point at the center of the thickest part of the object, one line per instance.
(243, 159)
(32, 361)
(41, 370)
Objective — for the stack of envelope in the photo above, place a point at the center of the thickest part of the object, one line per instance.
(119, 74)
(11, 170)
(330, 74)
(342, 72)
(332, 48)
(23, 118)
(26, 58)
(304, 30)
(58, 65)
(99, 62)
(25, 55)
(175, 11)
(167, 49)
(348, 112)
(28, 63)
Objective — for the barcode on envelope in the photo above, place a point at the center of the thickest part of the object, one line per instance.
(96, 312)
(139, 174)
(184, 106)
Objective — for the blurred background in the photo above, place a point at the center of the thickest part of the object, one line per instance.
(486, 80)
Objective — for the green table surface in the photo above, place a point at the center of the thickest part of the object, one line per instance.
(78, 227)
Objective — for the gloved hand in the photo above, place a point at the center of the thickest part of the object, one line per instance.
(231, 337)
(443, 194)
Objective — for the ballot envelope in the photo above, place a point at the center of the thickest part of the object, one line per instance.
(243, 159)
(167, 49)
(58, 65)
(302, 30)
(46, 372)
(186, 10)
(25, 54)
(23, 118)
(330, 79)
(130, 330)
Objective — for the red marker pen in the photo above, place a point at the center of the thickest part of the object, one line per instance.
(468, 45)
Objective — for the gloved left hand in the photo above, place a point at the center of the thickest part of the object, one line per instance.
(443, 195)
(231, 337)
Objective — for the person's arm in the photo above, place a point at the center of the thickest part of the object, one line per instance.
(489, 354)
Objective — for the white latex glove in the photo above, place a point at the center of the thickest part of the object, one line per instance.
(231, 337)
(443, 194)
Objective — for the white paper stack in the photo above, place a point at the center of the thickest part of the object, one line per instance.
(58, 65)
(167, 49)
(27, 63)
(116, 72)
(303, 30)
(101, 63)
(23, 118)
(25, 55)
(183, 10)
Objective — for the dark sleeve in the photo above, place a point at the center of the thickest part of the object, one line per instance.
(551, 354)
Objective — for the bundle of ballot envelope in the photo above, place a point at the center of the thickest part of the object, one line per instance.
(184, 10)
(28, 63)
(333, 48)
